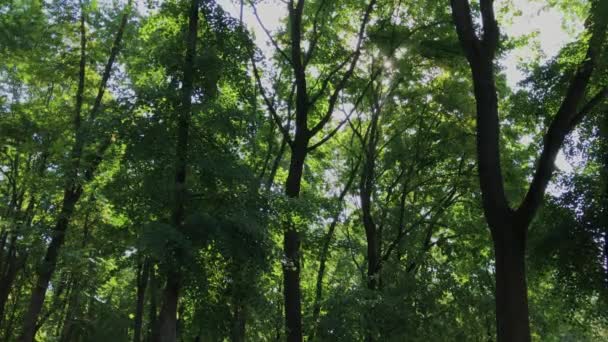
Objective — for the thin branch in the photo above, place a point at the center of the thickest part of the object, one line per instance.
(342, 83)
(271, 108)
(327, 79)
(355, 106)
(568, 115)
(490, 27)
(269, 35)
(315, 34)
(108, 67)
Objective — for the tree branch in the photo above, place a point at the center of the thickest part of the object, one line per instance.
(355, 106)
(461, 14)
(568, 115)
(268, 103)
(342, 83)
(108, 67)
(315, 34)
(269, 35)
(481, 62)
(490, 27)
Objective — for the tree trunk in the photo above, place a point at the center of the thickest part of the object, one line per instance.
(142, 281)
(8, 276)
(9, 323)
(152, 334)
(316, 308)
(325, 254)
(47, 268)
(291, 245)
(237, 333)
(511, 290)
(71, 314)
(168, 313)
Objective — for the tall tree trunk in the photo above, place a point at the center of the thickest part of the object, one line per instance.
(511, 289)
(152, 334)
(167, 319)
(168, 313)
(71, 314)
(508, 226)
(8, 276)
(73, 188)
(10, 321)
(291, 248)
(142, 281)
(299, 148)
(239, 320)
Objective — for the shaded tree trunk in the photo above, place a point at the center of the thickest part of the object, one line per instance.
(9, 274)
(239, 320)
(152, 334)
(142, 282)
(71, 314)
(511, 290)
(49, 263)
(167, 319)
(291, 247)
(298, 60)
(10, 321)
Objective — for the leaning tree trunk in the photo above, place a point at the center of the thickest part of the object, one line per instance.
(47, 268)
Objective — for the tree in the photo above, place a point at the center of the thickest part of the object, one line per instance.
(305, 103)
(509, 227)
(80, 166)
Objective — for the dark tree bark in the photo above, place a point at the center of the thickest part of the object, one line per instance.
(152, 334)
(168, 312)
(9, 274)
(603, 162)
(142, 282)
(366, 187)
(239, 320)
(47, 268)
(10, 321)
(509, 227)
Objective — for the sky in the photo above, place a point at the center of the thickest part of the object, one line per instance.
(535, 16)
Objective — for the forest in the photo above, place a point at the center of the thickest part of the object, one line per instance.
(303, 170)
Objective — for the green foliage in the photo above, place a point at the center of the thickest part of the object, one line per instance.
(408, 107)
